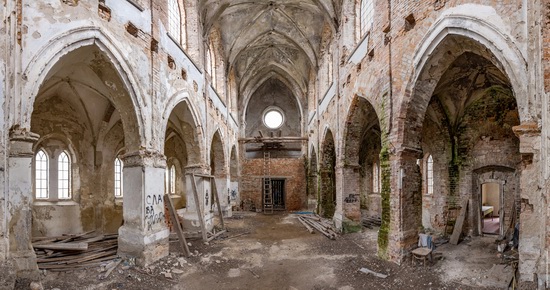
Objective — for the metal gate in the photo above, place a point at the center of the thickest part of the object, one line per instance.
(278, 190)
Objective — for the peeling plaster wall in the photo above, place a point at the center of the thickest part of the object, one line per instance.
(394, 49)
(149, 76)
(3, 212)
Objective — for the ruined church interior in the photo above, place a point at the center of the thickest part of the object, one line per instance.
(274, 144)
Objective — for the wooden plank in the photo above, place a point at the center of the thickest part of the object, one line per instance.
(215, 235)
(177, 225)
(64, 246)
(73, 257)
(459, 224)
(308, 227)
(215, 190)
(198, 206)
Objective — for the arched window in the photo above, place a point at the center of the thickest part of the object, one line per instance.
(375, 177)
(172, 179)
(174, 20)
(430, 175)
(366, 16)
(211, 63)
(118, 177)
(41, 175)
(329, 67)
(63, 176)
(166, 180)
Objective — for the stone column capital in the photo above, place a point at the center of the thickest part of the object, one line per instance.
(529, 138)
(528, 129)
(144, 158)
(404, 152)
(21, 142)
(197, 168)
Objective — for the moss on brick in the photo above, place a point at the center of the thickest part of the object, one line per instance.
(383, 233)
(349, 226)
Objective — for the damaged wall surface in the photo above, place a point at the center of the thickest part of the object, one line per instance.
(400, 116)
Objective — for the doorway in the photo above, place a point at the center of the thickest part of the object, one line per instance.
(491, 208)
(278, 190)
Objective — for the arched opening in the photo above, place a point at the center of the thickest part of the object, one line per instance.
(466, 124)
(234, 197)
(313, 181)
(273, 151)
(362, 155)
(182, 151)
(77, 112)
(218, 170)
(327, 173)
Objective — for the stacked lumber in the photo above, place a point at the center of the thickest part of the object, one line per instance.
(371, 222)
(72, 252)
(316, 223)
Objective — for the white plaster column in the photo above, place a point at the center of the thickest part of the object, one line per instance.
(222, 185)
(144, 234)
(19, 204)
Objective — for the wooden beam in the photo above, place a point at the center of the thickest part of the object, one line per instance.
(273, 139)
(215, 193)
(457, 230)
(198, 205)
(63, 246)
(177, 225)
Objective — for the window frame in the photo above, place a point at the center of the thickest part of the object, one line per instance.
(376, 178)
(175, 20)
(273, 109)
(118, 184)
(44, 171)
(211, 63)
(67, 180)
(429, 175)
(366, 17)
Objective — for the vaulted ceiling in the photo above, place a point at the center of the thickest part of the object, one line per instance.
(265, 39)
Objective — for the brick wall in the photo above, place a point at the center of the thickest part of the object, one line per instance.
(292, 170)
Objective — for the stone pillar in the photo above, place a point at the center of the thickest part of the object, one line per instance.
(144, 234)
(190, 215)
(534, 237)
(405, 206)
(19, 204)
(222, 185)
(348, 206)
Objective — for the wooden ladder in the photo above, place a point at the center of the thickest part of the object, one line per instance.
(267, 192)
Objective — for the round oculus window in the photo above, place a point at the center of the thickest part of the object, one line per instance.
(273, 118)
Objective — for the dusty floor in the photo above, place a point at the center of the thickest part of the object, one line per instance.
(278, 253)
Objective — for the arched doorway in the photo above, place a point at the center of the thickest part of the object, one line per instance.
(362, 147)
(327, 171)
(462, 118)
(234, 197)
(85, 115)
(218, 170)
(313, 180)
(182, 150)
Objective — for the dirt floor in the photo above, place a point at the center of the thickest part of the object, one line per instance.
(276, 252)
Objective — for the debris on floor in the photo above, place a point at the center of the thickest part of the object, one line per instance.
(70, 252)
(371, 222)
(369, 271)
(315, 222)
